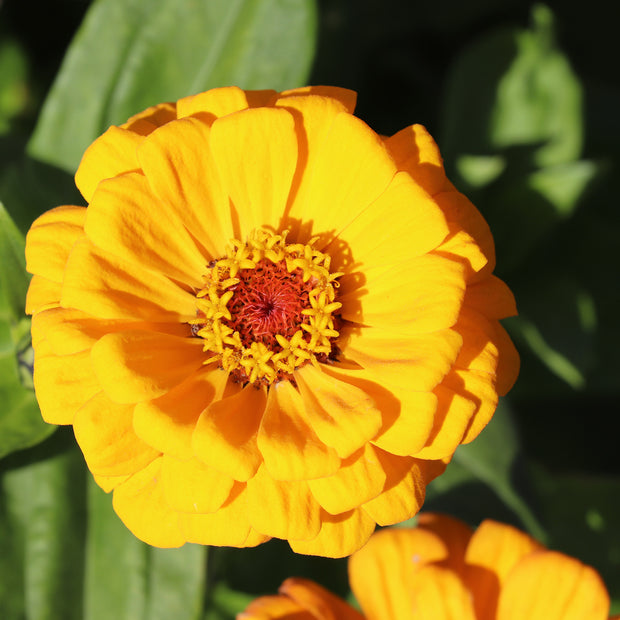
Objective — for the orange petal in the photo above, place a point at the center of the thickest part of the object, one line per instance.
(140, 504)
(190, 486)
(43, 294)
(255, 152)
(321, 602)
(381, 574)
(342, 415)
(415, 151)
(360, 478)
(491, 297)
(229, 526)
(455, 534)
(402, 223)
(403, 494)
(421, 295)
(62, 383)
(50, 239)
(551, 586)
(275, 608)
(225, 434)
(411, 362)
(438, 594)
(148, 120)
(134, 366)
(493, 551)
(104, 432)
(282, 509)
(107, 287)
(451, 421)
(181, 170)
(289, 446)
(111, 154)
(168, 422)
(347, 168)
(340, 535)
(121, 222)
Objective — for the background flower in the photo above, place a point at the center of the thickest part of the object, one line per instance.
(284, 325)
(442, 569)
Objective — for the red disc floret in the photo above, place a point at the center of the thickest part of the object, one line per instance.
(268, 300)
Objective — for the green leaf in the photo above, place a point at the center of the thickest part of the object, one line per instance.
(128, 580)
(44, 528)
(13, 85)
(13, 276)
(21, 424)
(130, 54)
(582, 513)
(493, 458)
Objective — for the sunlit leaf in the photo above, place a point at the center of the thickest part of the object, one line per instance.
(130, 54)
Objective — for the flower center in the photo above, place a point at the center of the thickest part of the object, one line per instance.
(267, 308)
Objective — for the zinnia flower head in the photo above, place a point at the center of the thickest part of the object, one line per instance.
(268, 322)
(441, 570)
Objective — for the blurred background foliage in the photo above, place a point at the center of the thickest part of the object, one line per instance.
(522, 99)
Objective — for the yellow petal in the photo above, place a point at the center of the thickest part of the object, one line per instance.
(321, 602)
(340, 535)
(346, 169)
(402, 223)
(107, 287)
(181, 170)
(43, 294)
(104, 432)
(134, 366)
(121, 222)
(360, 478)
(289, 446)
(460, 246)
(229, 526)
(255, 152)
(438, 594)
(411, 362)
(50, 239)
(463, 213)
(111, 154)
(62, 383)
(552, 586)
(140, 504)
(422, 295)
(491, 297)
(403, 494)
(493, 551)
(381, 574)
(451, 420)
(225, 434)
(347, 98)
(342, 415)
(282, 509)
(481, 384)
(415, 151)
(190, 486)
(168, 422)
(109, 483)
(215, 102)
(148, 120)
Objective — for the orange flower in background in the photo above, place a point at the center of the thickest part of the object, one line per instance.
(269, 321)
(441, 570)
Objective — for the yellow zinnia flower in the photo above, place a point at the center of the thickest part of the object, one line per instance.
(269, 321)
(441, 570)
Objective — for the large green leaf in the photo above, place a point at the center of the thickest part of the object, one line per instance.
(20, 421)
(128, 580)
(130, 54)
